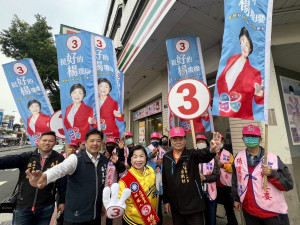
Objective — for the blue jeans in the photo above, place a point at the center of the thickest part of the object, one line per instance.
(40, 216)
(210, 211)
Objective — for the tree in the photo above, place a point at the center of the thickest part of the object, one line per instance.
(35, 41)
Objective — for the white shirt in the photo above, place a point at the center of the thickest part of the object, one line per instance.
(32, 123)
(233, 72)
(68, 166)
(71, 115)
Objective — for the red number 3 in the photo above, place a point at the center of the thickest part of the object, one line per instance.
(189, 98)
(75, 44)
(116, 212)
(21, 71)
(99, 43)
(182, 46)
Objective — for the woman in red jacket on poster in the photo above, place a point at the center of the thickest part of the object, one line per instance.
(109, 109)
(240, 83)
(38, 122)
(78, 117)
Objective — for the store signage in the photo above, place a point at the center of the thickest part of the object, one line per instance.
(148, 110)
(189, 99)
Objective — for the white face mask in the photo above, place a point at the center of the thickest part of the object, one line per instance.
(201, 145)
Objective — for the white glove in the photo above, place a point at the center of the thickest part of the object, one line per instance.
(115, 207)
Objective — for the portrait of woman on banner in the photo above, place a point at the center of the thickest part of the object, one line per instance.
(38, 122)
(294, 108)
(78, 117)
(109, 109)
(240, 83)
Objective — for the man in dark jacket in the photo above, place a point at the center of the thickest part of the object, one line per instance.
(86, 179)
(36, 206)
(181, 178)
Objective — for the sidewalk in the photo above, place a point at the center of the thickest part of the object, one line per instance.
(5, 218)
(14, 148)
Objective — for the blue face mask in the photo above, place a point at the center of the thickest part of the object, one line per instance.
(155, 143)
(251, 142)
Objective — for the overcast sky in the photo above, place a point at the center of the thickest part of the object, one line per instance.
(88, 15)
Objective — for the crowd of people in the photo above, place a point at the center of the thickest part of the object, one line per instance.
(164, 178)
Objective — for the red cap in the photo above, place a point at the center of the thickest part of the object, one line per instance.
(200, 136)
(177, 132)
(155, 135)
(221, 136)
(73, 144)
(128, 134)
(251, 129)
(110, 140)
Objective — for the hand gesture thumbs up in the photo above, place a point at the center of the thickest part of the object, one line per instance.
(114, 206)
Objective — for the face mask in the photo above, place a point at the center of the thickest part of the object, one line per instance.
(155, 143)
(201, 145)
(251, 142)
(110, 148)
(164, 143)
(129, 141)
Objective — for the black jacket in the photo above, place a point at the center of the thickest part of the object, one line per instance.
(29, 196)
(181, 180)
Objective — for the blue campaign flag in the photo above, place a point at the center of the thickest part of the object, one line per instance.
(30, 97)
(109, 87)
(242, 83)
(77, 71)
(120, 81)
(1, 118)
(185, 61)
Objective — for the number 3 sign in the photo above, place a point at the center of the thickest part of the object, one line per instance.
(182, 45)
(20, 69)
(74, 43)
(189, 99)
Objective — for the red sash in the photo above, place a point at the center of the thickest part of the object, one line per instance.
(140, 200)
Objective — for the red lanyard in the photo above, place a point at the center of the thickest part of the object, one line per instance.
(43, 160)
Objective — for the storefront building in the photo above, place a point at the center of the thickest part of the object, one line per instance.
(139, 29)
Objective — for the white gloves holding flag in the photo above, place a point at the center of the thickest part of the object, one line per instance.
(115, 207)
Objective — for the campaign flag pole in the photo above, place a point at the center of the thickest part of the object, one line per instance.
(266, 154)
(193, 134)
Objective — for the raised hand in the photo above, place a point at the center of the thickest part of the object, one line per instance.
(37, 178)
(117, 113)
(155, 152)
(114, 206)
(259, 90)
(215, 143)
(92, 120)
(120, 143)
(114, 158)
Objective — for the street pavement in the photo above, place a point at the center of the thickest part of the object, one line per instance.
(8, 180)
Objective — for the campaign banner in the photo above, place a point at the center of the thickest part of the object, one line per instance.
(185, 61)
(110, 108)
(120, 81)
(1, 116)
(30, 97)
(77, 70)
(242, 83)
